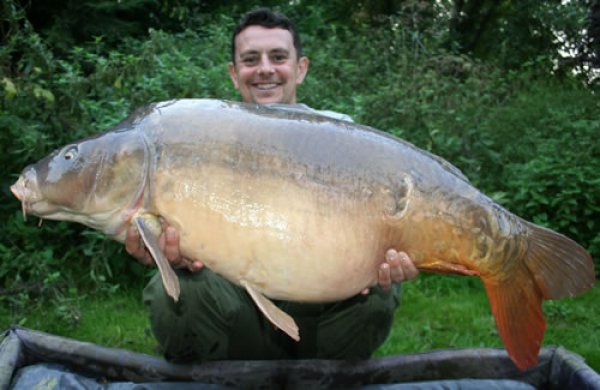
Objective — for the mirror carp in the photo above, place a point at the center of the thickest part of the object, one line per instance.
(295, 206)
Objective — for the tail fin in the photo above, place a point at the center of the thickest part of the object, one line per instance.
(559, 265)
(554, 267)
(517, 307)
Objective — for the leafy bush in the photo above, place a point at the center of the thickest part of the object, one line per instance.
(49, 101)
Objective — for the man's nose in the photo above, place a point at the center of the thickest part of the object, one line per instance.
(266, 66)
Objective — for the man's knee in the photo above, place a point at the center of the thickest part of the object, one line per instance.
(355, 328)
(197, 326)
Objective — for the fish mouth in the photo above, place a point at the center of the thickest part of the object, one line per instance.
(24, 191)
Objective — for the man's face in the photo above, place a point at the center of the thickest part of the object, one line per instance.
(266, 67)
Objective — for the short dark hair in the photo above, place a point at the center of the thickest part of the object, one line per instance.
(265, 17)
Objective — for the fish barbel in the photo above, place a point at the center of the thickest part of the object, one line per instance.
(296, 206)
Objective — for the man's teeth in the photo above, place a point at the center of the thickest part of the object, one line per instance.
(266, 86)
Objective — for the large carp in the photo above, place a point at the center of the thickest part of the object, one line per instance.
(275, 199)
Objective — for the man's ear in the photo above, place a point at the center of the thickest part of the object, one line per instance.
(303, 63)
(233, 75)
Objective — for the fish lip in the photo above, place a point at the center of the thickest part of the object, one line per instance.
(19, 191)
(23, 191)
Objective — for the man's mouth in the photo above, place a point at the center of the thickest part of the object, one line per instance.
(265, 87)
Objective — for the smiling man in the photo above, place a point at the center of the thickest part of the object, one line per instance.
(266, 66)
(217, 320)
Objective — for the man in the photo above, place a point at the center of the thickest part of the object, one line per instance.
(216, 320)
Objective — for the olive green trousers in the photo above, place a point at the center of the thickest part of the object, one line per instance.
(217, 320)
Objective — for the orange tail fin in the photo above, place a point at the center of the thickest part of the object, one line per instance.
(554, 267)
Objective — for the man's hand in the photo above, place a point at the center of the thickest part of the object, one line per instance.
(396, 268)
(169, 245)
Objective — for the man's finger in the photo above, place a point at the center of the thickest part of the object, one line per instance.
(195, 265)
(132, 240)
(385, 280)
(172, 245)
(135, 246)
(408, 267)
(396, 271)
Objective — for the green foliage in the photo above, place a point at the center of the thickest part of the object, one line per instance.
(552, 178)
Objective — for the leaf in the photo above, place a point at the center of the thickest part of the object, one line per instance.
(10, 89)
(43, 93)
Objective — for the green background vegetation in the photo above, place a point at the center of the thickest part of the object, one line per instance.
(480, 83)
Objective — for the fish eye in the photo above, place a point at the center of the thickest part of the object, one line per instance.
(70, 153)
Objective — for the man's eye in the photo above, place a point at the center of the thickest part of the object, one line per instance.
(249, 60)
(279, 58)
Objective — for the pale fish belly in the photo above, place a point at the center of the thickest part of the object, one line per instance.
(292, 239)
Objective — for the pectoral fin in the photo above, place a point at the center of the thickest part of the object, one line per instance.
(278, 317)
(147, 226)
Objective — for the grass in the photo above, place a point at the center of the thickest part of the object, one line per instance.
(119, 320)
(437, 312)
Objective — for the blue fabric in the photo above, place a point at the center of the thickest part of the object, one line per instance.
(54, 376)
